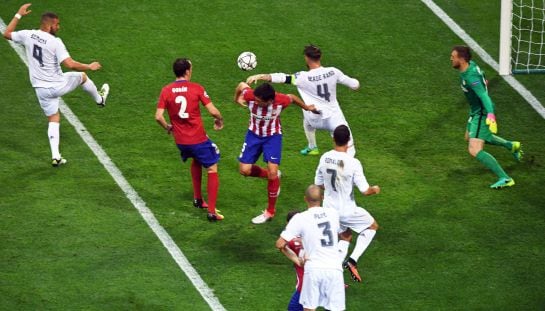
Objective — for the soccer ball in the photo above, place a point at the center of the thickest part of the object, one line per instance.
(247, 61)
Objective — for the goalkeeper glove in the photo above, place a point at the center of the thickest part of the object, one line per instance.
(491, 122)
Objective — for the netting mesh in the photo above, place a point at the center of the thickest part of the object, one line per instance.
(528, 37)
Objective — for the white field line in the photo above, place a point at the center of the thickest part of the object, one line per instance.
(133, 196)
(514, 83)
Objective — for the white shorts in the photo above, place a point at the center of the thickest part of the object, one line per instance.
(329, 124)
(358, 221)
(323, 288)
(49, 97)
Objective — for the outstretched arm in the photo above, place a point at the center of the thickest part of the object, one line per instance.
(259, 77)
(75, 65)
(214, 112)
(239, 98)
(299, 102)
(13, 24)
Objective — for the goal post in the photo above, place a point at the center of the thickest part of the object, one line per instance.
(522, 37)
(505, 36)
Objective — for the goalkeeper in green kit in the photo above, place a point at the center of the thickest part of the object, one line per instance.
(482, 126)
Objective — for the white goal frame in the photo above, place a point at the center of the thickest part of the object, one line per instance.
(506, 42)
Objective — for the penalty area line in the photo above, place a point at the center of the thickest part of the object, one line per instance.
(460, 32)
(131, 194)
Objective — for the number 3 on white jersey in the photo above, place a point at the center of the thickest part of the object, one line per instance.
(183, 106)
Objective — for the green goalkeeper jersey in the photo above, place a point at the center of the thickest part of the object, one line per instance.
(473, 84)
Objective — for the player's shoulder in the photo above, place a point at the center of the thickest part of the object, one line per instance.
(282, 98)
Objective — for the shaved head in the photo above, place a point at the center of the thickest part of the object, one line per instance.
(313, 195)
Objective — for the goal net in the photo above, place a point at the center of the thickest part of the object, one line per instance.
(522, 37)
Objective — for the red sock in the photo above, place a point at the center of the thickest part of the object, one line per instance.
(258, 172)
(213, 185)
(196, 178)
(273, 186)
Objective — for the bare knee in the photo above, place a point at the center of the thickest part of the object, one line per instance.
(83, 77)
(473, 150)
(212, 169)
(374, 226)
(245, 170)
(272, 175)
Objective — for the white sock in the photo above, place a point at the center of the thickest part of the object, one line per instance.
(90, 87)
(363, 241)
(310, 132)
(54, 139)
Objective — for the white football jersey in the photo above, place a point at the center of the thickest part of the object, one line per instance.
(319, 87)
(338, 172)
(45, 53)
(318, 228)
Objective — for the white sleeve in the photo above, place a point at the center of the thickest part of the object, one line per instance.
(278, 77)
(343, 248)
(346, 80)
(19, 36)
(293, 229)
(359, 178)
(60, 51)
(319, 176)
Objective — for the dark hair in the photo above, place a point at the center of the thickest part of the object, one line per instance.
(290, 215)
(265, 92)
(47, 16)
(463, 52)
(313, 52)
(181, 66)
(341, 135)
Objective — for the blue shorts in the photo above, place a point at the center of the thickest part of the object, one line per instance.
(270, 146)
(206, 153)
(294, 304)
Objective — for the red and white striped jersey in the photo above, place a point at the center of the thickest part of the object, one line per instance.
(265, 121)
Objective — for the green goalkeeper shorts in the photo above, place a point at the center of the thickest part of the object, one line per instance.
(477, 128)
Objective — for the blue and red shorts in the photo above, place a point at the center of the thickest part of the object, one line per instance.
(206, 153)
(254, 146)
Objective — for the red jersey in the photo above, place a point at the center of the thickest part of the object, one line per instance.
(265, 121)
(296, 245)
(181, 99)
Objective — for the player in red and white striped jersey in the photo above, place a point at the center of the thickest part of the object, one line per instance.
(264, 136)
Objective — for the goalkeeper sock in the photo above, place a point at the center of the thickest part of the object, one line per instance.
(489, 161)
(273, 188)
(498, 141)
(363, 241)
(213, 186)
(310, 133)
(54, 139)
(90, 87)
(196, 178)
(258, 171)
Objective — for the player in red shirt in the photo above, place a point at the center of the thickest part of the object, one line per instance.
(181, 99)
(264, 136)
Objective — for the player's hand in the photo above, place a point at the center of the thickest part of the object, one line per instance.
(313, 109)
(372, 190)
(169, 129)
(491, 122)
(242, 103)
(95, 66)
(253, 79)
(218, 124)
(23, 9)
